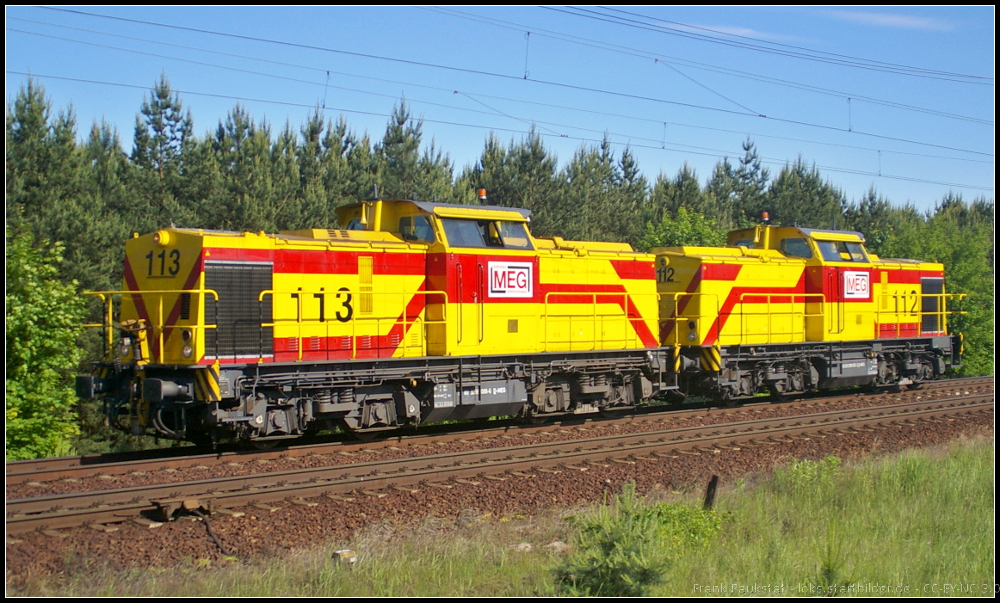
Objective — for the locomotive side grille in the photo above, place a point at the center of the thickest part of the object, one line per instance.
(365, 265)
(930, 304)
(185, 306)
(238, 314)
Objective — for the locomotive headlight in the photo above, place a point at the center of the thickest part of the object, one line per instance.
(126, 347)
(161, 238)
(692, 336)
(187, 351)
(186, 335)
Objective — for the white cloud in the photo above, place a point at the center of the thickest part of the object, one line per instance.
(890, 20)
(743, 32)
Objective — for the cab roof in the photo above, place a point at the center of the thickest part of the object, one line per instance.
(456, 210)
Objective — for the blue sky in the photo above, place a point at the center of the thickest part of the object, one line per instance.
(901, 98)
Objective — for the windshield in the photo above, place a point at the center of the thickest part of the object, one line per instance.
(486, 233)
(840, 251)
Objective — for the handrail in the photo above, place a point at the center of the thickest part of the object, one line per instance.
(770, 313)
(594, 295)
(300, 320)
(942, 314)
(107, 297)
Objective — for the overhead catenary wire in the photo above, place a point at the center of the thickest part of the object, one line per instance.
(535, 81)
(847, 62)
(476, 94)
(859, 60)
(672, 60)
(495, 128)
(327, 72)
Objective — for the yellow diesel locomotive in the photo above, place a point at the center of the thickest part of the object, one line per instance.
(784, 309)
(410, 312)
(413, 312)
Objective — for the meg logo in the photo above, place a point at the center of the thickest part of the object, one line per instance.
(510, 279)
(856, 285)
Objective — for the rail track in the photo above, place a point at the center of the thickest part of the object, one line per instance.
(423, 463)
(108, 465)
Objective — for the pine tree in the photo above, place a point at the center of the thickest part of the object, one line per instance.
(632, 199)
(586, 201)
(798, 195)
(722, 194)
(875, 217)
(751, 185)
(243, 151)
(289, 209)
(435, 176)
(399, 155)
(46, 181)
(162, 131)
(160, 146)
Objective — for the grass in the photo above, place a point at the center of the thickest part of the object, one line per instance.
(919, 523)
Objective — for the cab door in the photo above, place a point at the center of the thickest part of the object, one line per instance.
(469, 285)
(835, 295)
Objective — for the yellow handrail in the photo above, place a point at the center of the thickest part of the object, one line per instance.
(300, 320)
(107, 297)
(621, 316)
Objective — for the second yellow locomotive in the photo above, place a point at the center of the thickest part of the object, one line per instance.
(785, 309)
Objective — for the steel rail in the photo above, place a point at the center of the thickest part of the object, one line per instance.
(68, 510)
(42, 470)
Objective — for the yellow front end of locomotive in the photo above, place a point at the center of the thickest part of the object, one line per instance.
(162, 316)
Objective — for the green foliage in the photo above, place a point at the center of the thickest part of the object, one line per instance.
(623, 549)
(832, 577)
(750, 185)
(43, 322)
(803, 475)
(686, 229)
(403, 173)
(615, 552)
(799, 196)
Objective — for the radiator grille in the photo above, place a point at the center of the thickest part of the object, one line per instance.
(930, 321)
(238, 314)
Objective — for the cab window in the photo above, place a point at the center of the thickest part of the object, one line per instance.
(841, 251)
(486, 233)
(796, 248)
(514, 235)
(416, 228)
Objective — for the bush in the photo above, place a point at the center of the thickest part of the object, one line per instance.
(623, 549)
(44, 318)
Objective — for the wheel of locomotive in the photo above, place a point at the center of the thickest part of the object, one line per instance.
(728, 397)
(925, 372)
(778, 388)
